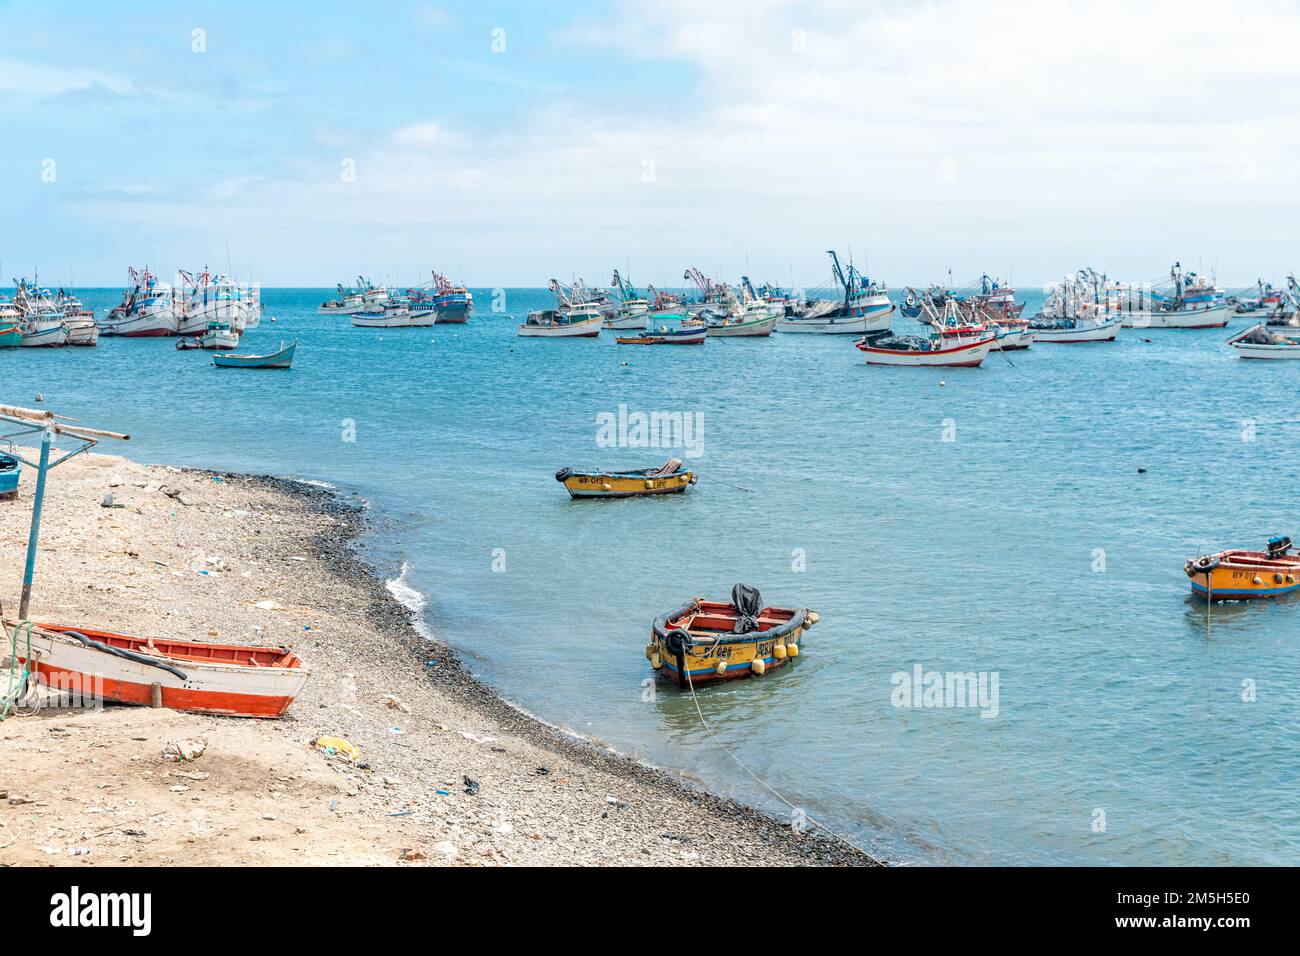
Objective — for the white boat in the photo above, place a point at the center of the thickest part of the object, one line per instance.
(633, 311)
(391, 315)
(961, 347)
(1189, 317)
(151, 311)
(756, 319)
(219, 335)
(82, 331)
(577, 322)
(348, 303)
(1076, 310)
(1012, 336)
(40, 319)
(1183, 301)
(864, 307)
(45, 332)
(1077, 330)
(1261, 342)
(205, 299)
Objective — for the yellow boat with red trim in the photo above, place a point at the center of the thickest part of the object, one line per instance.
(1234, 575)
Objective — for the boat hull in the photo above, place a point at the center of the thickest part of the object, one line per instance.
(876, 320)
(11, 337)
(50, 337)
(625, 486)
(1210, 317)
(624, 322)
(281, 359)
(749, 328)
(716, 654)
(231, 680)
(589, 328)
(1104, 332)
(965, 355)
(1245, 578)
(149, 325)
(404, 320)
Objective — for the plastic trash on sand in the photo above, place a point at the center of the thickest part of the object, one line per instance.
(338, 746)
(182, 750)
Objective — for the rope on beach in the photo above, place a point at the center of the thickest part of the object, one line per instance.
(17, 689)
(771, 789)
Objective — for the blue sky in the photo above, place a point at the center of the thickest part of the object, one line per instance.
(1022, 139)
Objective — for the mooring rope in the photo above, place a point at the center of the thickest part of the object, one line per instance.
(741, 764)
(14, 692)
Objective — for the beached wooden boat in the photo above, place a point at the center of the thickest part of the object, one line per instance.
(232, 679)
(706, 641)
(1233, 575)
(670, 478)
(281, 358)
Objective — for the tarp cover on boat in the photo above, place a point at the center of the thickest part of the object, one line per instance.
(748, 604)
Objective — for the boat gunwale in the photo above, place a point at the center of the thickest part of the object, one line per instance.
(662, 626)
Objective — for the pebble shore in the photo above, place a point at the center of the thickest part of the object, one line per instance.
(449, 773)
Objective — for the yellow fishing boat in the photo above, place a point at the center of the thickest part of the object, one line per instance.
(671, 478)
(1234, 575)
(708, 641)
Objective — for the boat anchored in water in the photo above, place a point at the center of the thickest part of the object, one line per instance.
(633, 309)
(281, 358)
(1261, 341)
(453, 302)
(954, 343)
(706, 641)
(689, 333)
(863, 307)
(1183, 301)
(1235, 575)
(668, 479)
(1075, 312)
(41, 324)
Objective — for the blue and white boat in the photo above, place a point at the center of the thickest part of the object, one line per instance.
(10, 471)
(282, 358)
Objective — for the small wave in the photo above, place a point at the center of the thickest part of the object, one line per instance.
(411, 599)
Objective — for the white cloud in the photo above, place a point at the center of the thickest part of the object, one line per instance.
(25, 78)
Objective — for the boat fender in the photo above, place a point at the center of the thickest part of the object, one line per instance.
(563, 474)
(677, 641)
(1278, 578)
(128, 655)
(779, 652)
(1204, 563)
(1257, 580)
(694, 478)
(811, 618)
(607, 486)
(792, 650)
(758, 666)
(722, 668)
(649, 652)
(655, 661)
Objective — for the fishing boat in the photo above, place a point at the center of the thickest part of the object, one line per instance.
(1077, 309)
(576, 322)
(219, 336)
(453, 302)
(685, 334)
(863, 307)
(392, 313)
(1235, 575)
(41, 324)
(1184, 301)
(204, 299)
(10, 471)
(11, 327)
(1263, 342)
(669, 478)
(633, 310)
(958, 346)
(150, 309)
(706, 641)
(280, 358)
(349, 302)
(755, 320)
(234, 680)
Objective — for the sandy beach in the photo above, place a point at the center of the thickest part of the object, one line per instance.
(449, 772)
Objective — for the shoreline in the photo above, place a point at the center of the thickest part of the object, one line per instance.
(558, 798)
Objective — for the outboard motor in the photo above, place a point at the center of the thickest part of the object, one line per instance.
(1278, 546)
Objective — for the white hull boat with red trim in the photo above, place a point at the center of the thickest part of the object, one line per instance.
(232, 679)
(1077, 330)
(945, 348)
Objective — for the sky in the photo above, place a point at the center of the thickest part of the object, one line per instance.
(504, 144)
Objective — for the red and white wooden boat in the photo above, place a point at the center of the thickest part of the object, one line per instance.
(233, 679)
(957, 347)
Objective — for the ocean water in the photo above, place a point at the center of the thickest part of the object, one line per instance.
(988, 520)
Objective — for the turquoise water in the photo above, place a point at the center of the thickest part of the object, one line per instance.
(1029, 547)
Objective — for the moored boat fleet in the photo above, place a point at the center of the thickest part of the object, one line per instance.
(373, 306)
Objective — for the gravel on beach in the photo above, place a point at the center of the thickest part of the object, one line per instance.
(449, 773)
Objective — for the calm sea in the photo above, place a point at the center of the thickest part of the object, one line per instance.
(988, 520)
